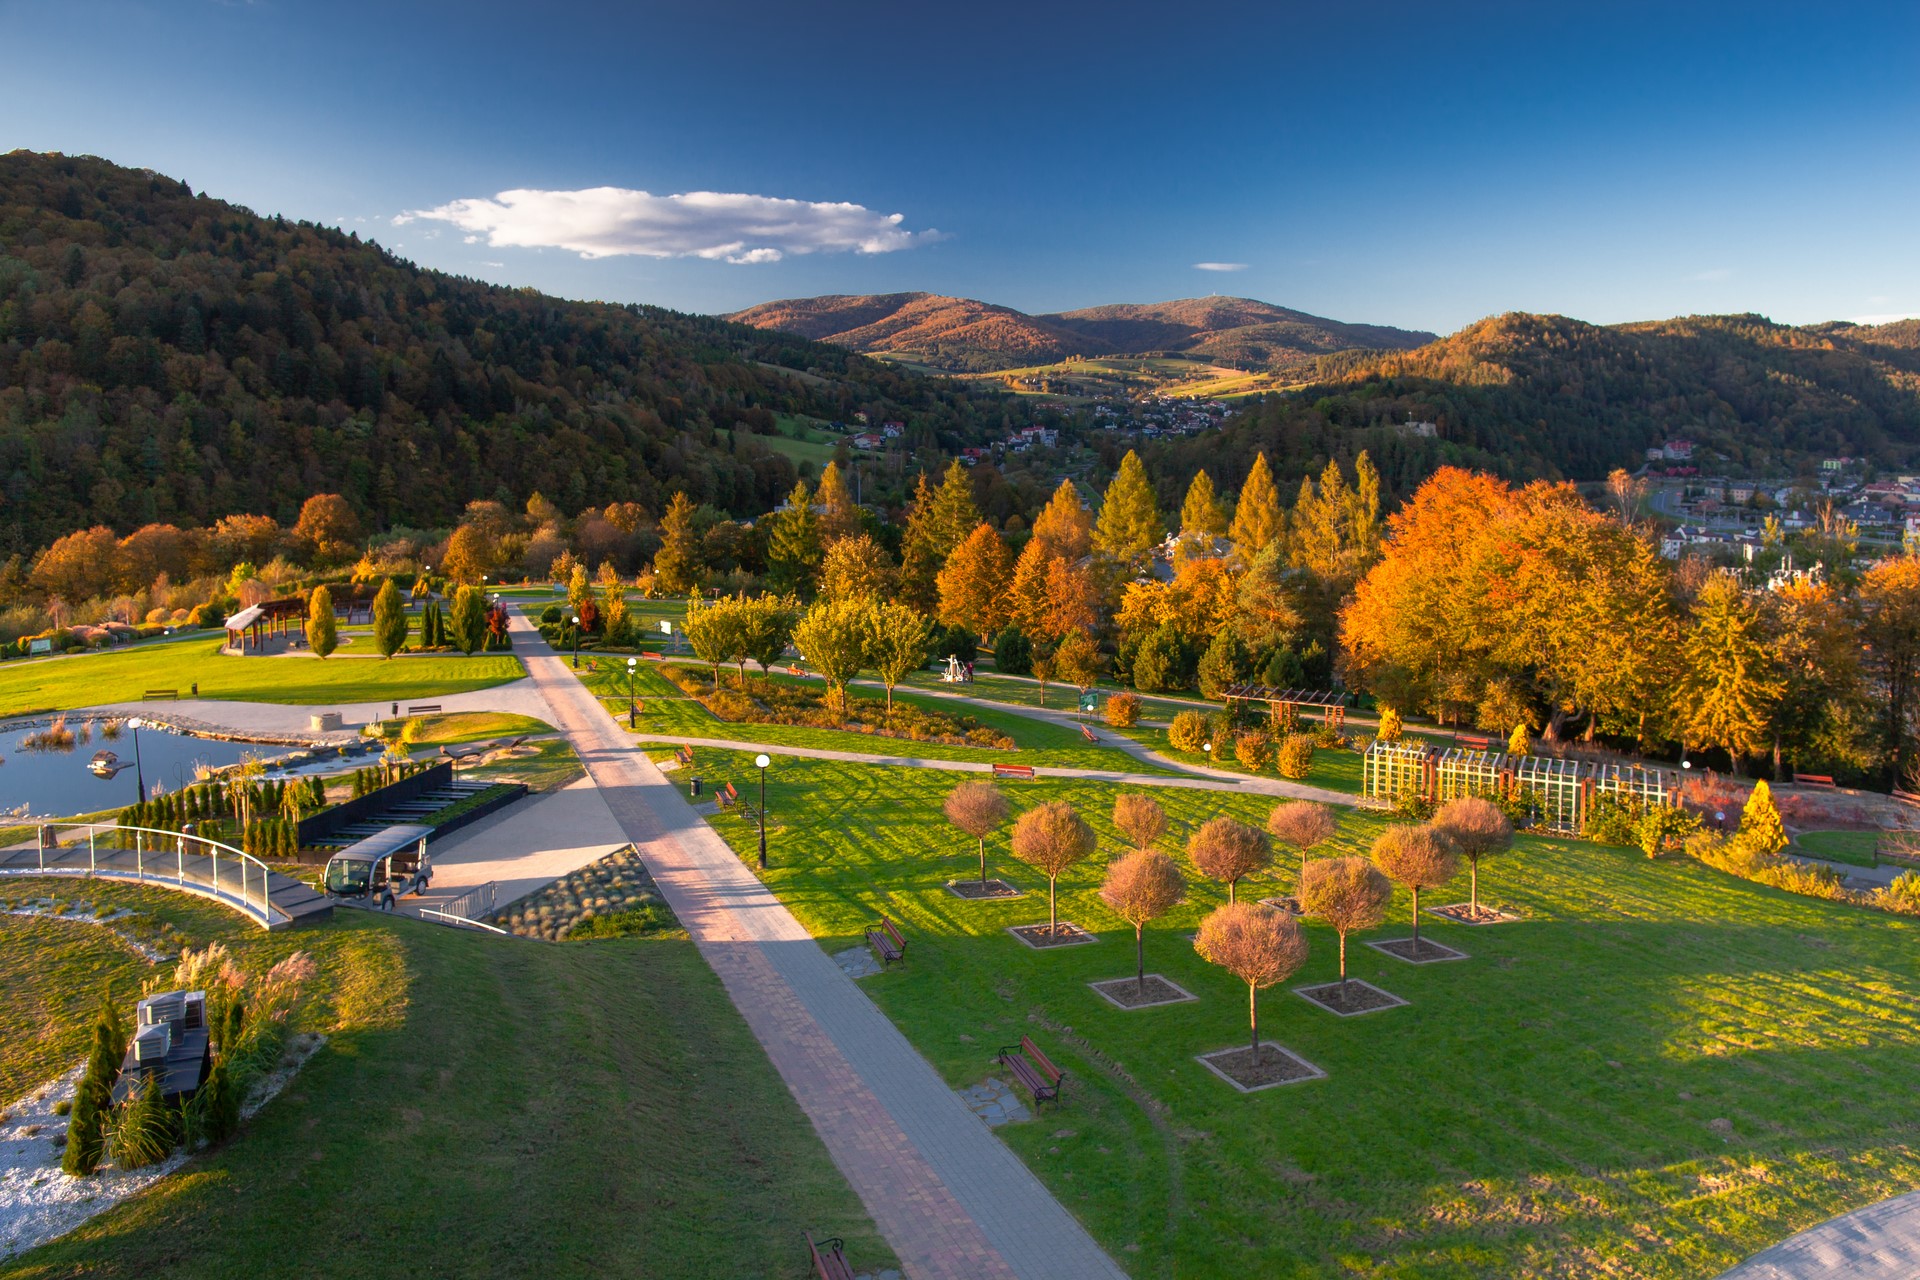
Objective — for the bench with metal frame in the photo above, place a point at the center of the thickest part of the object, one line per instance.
(885, 939)
(1013, 771)
(1035, 1072)
(829, 1258)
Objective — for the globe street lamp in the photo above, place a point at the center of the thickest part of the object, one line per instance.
(139, 774)
(632, 710)
(763, 762)
(576, 642)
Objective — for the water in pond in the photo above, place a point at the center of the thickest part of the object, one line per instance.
(57, 782)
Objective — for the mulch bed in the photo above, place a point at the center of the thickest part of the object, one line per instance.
(974, 891)
(1041, 937)
(1430, 952)
(1349, 999)
(1462, 913)
(1276, 1066)
(1131, 994)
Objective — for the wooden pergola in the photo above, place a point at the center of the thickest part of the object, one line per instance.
(1285, 705)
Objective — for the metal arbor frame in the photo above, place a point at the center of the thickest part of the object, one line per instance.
(151, 855)
(1565, 787)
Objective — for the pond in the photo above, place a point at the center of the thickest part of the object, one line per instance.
(56, 781)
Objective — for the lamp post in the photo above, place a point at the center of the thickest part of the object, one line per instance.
(1208, 748)
(576, 642)
(139, 774)
(763, 762)
(632, 711)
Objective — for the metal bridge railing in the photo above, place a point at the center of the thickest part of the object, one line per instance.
(175, 859)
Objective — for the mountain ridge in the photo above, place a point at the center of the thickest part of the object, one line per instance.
(965, 335)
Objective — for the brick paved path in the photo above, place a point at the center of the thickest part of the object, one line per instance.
(951, 1199)
(1879, 1242)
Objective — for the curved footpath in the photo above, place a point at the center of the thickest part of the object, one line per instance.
(1879, 1242)
(949, 1196)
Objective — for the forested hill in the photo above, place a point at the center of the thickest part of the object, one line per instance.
(1528, 395)
(166, 356)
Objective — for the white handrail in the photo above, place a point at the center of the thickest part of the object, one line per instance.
(259, 909)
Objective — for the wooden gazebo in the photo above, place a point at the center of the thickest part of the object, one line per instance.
(1285, 705)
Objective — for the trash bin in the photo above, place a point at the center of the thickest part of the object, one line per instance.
(696, 788)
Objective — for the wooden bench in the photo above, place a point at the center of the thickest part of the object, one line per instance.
(795, 671)
(1013, 771)
(1032, 1069)
(1473, 744)
(1905, 797)
(683, 756)
(886, 940)
(653, 654)
(160, 695)
(425, 709)
(829, 1258)
(1087, 734)
(1822, 780)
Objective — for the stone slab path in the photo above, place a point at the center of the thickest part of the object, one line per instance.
(1879, 1242)
(951, 1199)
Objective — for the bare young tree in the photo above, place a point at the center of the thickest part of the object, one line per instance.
(1140, 819)
(1226, 849)
(979, 809)
(1256, 944)
(1141, 887)
(1304, 825)
(1419, 858)
(1477, 828)
(1349, 894)
(1052, 838)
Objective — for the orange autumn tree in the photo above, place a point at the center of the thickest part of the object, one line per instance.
(973, 585)
(1486, 596)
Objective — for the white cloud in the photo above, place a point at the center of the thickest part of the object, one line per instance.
(605, 222)
(1219, 266)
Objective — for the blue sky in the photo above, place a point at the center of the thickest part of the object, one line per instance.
(1420, 165)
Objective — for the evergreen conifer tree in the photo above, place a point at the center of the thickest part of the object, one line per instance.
(1129, 527)
(793, 546)
(470, 618)
(1257, 516)
(323, 636)
(677, 564)
(1200, 515)
(389, 620)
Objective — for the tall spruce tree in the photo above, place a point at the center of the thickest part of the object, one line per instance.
(793, 545)
(1129, 527)
(323, 637)
(1257, 516)
(677, 563)
(1729, 688)
(1200, 514)
(389, 620)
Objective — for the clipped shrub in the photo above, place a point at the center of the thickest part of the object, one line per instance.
(1325, 735)
(1295, 757)
(1411, 806)
(1254, 751)
(1664, 826)
(1012, 652)
(1611, 819)
(1391, 726)
(1122, 710)
(1187, 731)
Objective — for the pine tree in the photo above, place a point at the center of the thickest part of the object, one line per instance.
(1129, 527)
(323, 636)
(389, 620)
(677, 564)
(841, 518)
(973, 586)
(954, 516)
(919, 563)
(1760, 826)
(793, 545)
(1257, 516)
(1729, 689)
(1200, 515)
(1065, 524)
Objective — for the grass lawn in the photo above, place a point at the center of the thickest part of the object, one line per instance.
(124, 675)
(1658, 1071)
(469, 726)
(494, 1107)
(668, 711)
(552, 765)
(51, 977)
(1858, 848)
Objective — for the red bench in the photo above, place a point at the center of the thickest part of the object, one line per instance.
(1013, 771)
(1087, 734)
(684, 756)
(1032, 1069)
(1473, 744)
(886, 940)
(829, 1258)
(1821, 780)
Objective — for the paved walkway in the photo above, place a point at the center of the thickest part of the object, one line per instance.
(949, 1197)
(532, 844)
(1879, 1242)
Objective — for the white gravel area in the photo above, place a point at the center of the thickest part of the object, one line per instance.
(39, 1202)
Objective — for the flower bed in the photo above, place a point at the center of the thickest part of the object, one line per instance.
(766, 702)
